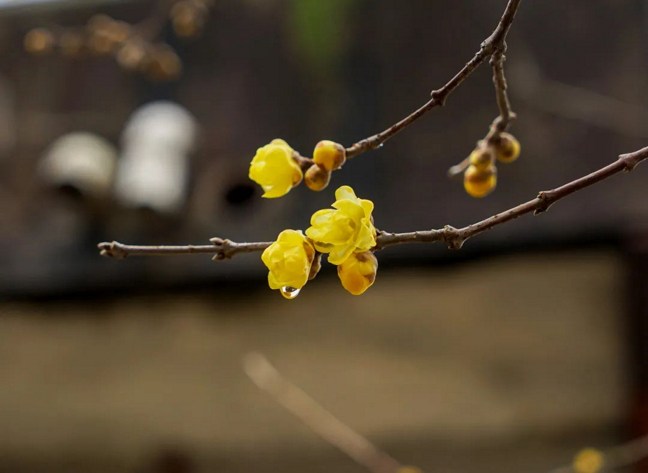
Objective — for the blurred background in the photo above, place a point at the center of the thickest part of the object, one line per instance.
(136, 121)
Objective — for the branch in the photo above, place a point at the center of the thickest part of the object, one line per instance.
(506, 114)
(220, 248)
(451, 236)
(456, 237)
(315, 417)
(490, 46)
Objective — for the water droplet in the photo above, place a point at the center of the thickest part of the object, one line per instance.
(381, 145)
(289, 292)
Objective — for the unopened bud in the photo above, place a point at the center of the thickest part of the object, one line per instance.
(317, 178)
(329, 155)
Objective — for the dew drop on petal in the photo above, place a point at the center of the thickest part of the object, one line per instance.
(289, 292)
(381, 145)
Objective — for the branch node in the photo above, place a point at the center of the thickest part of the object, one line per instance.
(545, 201)
(629, 161)
(222, 246)
(488, 46)
(439, 97)
(452, 237)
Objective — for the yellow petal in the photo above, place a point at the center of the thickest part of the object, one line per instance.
(340, 253)
(367, 206)
(345, 192)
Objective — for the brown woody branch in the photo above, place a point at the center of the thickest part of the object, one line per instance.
(493, 45)
(451, 236)
(506, 114)
(220, 248)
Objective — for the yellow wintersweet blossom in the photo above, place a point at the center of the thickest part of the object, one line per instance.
(358, 272)
(289, 260)
(275, 170)
(345, 229)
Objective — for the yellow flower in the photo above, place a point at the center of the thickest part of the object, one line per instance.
(274, 169)
(358, 272)
(344, 230)
(289, 260)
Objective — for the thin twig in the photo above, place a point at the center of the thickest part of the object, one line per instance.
(451, 236)
(315, 417)
(220, 248)
(456, 237)
(489, 46)
(506, 114)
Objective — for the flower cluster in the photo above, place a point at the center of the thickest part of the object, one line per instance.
(133, 46)
(277, 168)
(480, 177)
(345, 233)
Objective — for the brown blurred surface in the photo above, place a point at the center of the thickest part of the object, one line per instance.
(505, 365)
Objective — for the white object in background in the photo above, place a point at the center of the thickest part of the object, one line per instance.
(154, 168)
(80, 160)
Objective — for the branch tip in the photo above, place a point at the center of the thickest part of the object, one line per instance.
(111, 250)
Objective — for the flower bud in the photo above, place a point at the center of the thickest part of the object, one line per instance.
(358, 272)
(480, 182)
(329, 155)
(186, 19)
(482, 157)
(164, 64)
(132, 55)
(507, 148)
(39, 41)
(317, 178)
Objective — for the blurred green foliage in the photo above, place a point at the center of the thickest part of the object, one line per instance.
(319, 29)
